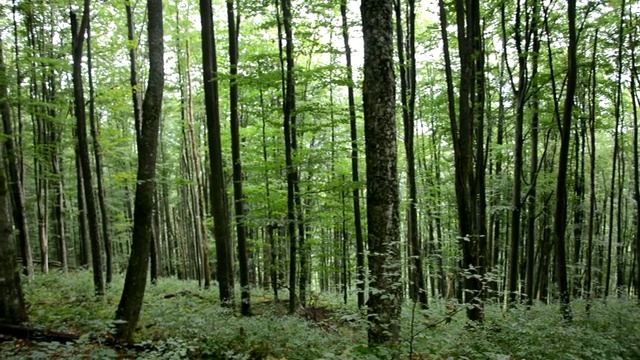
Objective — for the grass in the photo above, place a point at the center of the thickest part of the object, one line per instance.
(191, 324)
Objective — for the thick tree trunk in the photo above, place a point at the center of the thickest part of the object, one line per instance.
(136, 278)
(385, 295)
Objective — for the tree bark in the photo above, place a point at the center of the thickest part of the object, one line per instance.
(383, 221)
(355, 173)
(241, 227)
(136, 277)
(218, 193)
(83, 146)
(408, 94)
(12, 305)
(560, 216)
(97, 154)
(17, 181)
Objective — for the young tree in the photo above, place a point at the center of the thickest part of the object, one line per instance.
(136, 279)
(385, 293)
(12, 306)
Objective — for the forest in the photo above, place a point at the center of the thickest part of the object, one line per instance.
(382, 179)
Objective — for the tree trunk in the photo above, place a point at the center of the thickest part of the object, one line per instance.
(136, 277)
(408, 95)
(385, 294)
(636, 171)
(83, 146)
(560, 216)
(16, 181)
(355, 175)
(288, 107)
(12, 305)
(241, 228)
(592, 173)
(97, 153)
(218, 193)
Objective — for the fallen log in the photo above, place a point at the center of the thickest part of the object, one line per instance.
(26, 332)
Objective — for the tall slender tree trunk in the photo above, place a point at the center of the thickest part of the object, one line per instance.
(533, 166)
(288, 107)
(97, 154)
(408, 93)
(560, 216)
(636, 166)
(83, 146)
(592, 174)
(616, 149)
(136, 277)
(218, 193)
(12, 154)
(355, 173)
(12, 305)
(241, 228)
(197, 191)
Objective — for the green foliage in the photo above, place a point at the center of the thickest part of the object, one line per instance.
(181, 321)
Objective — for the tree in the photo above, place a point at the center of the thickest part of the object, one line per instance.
(406, 55)
(83, 146)
(288, 109)
(136, 278)
(12, 306)
(17, 182)
(560, 216)
(217, 192)
(241, 228)
(469, 170)
(355, 172)
(385, 288)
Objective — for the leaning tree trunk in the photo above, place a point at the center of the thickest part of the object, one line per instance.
(12, 306)
(136, 278)
(83, 146)
(385, 295)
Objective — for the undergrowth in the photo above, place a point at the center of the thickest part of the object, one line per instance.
(180, 321)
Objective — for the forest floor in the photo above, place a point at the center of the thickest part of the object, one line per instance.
(180, 321)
